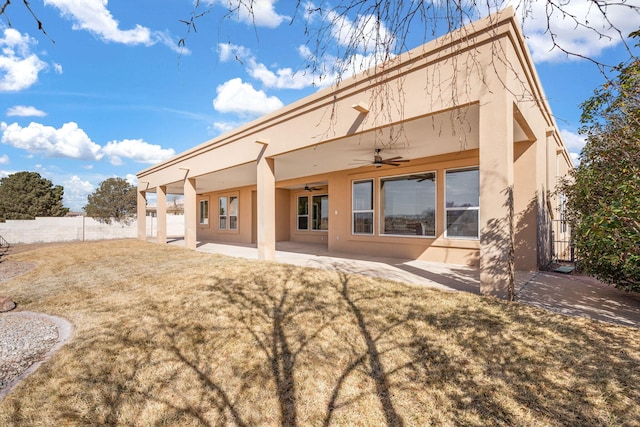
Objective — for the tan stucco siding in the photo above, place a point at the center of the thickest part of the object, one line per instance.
(471, 99)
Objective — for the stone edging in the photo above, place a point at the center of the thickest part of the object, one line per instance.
(65, 331)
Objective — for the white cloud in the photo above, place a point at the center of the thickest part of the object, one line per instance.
(575, 158)
(229, 51)
(25, 111)
(334, 68)
(261, 13)
(166, 39)
(4, 159)
(283, 78)
(222, 127)
(57, 68)
(19, 67)
(235, 96)
(131, 179)
(583, 29)
(68, 141)
(72, 142)
(136, 150)
(367, 41)
(76, 191)
(574, 143)
(365, 34)
(93, 16)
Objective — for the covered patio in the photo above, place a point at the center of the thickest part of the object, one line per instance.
(477, 156)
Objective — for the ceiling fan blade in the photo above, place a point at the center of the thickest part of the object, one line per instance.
(393, 159)
(307, 188)
(423, 177)
(394, 162)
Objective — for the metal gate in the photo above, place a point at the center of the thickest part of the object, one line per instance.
(4, 247)
(562, 244)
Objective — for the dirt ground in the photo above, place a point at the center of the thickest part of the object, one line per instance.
(10, 268)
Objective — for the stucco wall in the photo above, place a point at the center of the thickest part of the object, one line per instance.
(64, 229)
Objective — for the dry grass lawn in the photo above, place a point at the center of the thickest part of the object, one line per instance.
(167, 336)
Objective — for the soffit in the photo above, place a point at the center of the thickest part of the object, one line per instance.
(450, 131)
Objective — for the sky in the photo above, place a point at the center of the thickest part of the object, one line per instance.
(107, 89)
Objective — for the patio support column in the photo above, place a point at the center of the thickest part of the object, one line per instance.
(142, 214)
(190, 213)
(266, 207)
(162, 213)
(496, 192)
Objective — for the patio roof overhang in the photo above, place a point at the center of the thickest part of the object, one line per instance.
(432, 135)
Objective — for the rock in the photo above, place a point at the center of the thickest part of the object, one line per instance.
(6, 304)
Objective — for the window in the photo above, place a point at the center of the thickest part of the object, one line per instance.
(320, 219)
(228, 216)
(233, 212)
(408, 204)
(204, 212)
(222, 222)
(362, 206)
(319, 212)
(303, 213)
(462, 194)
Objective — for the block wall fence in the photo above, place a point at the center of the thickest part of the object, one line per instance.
(81, 228)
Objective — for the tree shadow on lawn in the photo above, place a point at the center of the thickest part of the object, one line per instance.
(288, 346)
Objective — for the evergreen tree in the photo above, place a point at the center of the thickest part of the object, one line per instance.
(26, 195)
(114, 200)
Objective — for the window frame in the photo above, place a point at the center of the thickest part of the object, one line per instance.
(313, 213)
(203, 219)
(231, 224)
(461, 208)
(228, 215)
(298, 215)
(222, 214)
(382, 201)
(355, 211)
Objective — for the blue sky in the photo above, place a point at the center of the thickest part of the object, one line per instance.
(108, 91)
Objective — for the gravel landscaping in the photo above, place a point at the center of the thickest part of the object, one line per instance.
(24, 340)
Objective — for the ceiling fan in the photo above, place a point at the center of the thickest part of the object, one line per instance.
(307, 188)
(423, 176)
(378, 161)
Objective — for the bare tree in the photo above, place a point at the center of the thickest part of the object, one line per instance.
(345, 37)
(370, 32)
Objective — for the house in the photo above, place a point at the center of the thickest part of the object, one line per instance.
(447, 153)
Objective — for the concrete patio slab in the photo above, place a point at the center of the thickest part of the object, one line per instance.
(581, 296)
